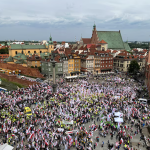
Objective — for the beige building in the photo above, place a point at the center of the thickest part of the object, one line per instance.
(15, 49)
(123, 60)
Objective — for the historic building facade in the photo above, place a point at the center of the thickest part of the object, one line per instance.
(107, 40)
(14, 49)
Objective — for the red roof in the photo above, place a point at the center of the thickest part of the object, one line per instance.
(103, 42)
(89, 45)
(108, 51)
(86, 40)
(114, 51)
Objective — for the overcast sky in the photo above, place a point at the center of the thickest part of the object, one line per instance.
(67, 19)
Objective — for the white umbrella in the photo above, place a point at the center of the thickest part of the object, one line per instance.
(118, 119)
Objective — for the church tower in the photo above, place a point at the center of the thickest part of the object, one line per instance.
(94, 38)
(50, 45)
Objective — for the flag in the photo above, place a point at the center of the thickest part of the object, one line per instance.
(22, 143)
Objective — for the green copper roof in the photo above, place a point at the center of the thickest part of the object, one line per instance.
(9, 59)
(20, 62)
(127, 47)
(50, 40)
(19, 46)
(113, 38)
(43, 55)
(20, 56)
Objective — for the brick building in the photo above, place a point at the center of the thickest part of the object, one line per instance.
(3, 56)
(107, 39)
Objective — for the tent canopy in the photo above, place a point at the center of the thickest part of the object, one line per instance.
(118, 119)
(6, 147)
(118, 114)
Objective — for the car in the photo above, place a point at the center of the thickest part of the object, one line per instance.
(27, 111)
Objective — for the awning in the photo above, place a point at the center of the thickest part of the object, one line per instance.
(75, 72)
(6, 147)
(118, 114)
(118, 119)
(106, 69)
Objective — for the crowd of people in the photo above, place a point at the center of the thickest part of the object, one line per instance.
(78, 116)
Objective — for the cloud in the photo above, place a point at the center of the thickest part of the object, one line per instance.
(76, 15)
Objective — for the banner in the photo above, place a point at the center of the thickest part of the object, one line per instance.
(67, 122)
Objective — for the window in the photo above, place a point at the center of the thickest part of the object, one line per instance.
(35, 61)
(28, 51)
(49, 69)
(40, 51)
(106, 65)
(75, 64)
(49, 64)
(34, 52)
(103, 49)
(16, 52)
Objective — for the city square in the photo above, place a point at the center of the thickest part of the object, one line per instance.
(80, 115)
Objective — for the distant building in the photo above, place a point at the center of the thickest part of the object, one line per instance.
(3, 56)
(47, 68)
(14, 49)
(124, 58)
(111, 39)
(34, 61)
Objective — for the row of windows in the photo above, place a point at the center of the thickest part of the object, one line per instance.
(89, 61)
(28, 52)
(106, 61)
(71, 65)
(106, 66)
(76, 68)
(49, 69)
(89, 65)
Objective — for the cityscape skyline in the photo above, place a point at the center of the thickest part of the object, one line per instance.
(67, 21)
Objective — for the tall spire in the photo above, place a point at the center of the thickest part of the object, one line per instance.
(94, 25)
(50, 40)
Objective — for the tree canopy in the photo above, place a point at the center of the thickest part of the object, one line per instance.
(133, 67)
(4, 51)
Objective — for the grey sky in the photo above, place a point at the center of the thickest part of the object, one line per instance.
(65, 19)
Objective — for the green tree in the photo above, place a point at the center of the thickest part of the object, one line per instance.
(4, 51)
(133, 67)
(39, 68)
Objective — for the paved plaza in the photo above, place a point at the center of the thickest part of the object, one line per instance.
(91, 106)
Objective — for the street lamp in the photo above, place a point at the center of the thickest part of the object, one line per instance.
(54, 86)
